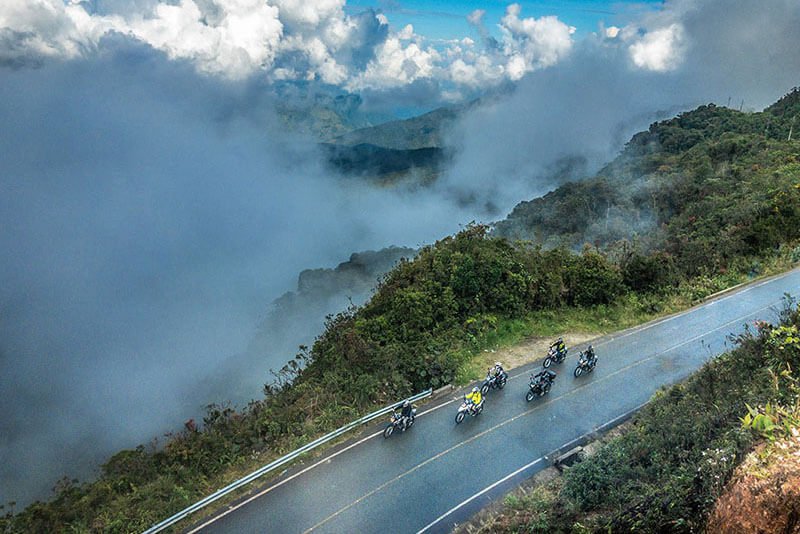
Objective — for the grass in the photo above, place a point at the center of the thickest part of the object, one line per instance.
(628, 311)
(475, 354)
(667, 470)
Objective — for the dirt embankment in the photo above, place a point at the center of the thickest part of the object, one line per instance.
(764, 495)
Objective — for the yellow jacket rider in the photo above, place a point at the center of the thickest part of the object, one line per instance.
(475, 397)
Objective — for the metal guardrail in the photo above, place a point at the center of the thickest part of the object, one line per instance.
(186, 512)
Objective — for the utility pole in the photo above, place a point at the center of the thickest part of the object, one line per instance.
(791, 127)
(741, 105)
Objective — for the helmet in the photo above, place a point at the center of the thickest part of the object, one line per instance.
(560, 340)
(475, 389)
(406, 404)
(497, 364)
(590, 348)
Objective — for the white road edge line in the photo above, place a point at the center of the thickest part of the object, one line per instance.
(639, 329)
(531, 410)
(531, 464)
(518, 471)
(484, 490)
(321, 461)
(367, 438)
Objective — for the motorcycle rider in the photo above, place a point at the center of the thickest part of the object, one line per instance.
(545, 375)
(405, 413)
(559, 346)
(496, 370)
(474, 397)
(589, 356)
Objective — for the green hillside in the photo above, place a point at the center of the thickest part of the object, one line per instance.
(423, 131)
(707, 187)
(386, 165)
(704, 201)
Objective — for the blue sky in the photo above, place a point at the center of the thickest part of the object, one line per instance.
(347, 44)
(446, 19)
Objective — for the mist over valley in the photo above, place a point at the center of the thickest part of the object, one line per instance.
(177, 216)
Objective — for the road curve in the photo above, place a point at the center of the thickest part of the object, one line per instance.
(439, 473)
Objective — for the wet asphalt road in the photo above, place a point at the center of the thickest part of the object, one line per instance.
(439, 473)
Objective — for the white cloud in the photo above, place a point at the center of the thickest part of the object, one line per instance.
(308, 13)
(406, 33)
(527, 44)
(48, 27)
(236, 38)
(476, 17)
(396, 65)
(292, 39)
(659, 50)
(532, 43)
(242, 36)
(232, 38)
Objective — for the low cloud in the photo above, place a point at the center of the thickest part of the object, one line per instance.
(568, 119)
(148, 216)
(148, 213)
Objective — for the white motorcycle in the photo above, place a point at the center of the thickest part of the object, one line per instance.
(467, 407)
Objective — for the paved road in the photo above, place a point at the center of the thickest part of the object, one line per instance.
(439, 473)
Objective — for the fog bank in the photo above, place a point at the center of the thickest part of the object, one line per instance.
(148, 216)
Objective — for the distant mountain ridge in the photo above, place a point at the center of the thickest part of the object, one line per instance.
(388, 152)
(417, 132)
(385, 164)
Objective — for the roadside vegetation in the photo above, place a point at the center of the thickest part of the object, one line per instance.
(666, 472)
(727, 208)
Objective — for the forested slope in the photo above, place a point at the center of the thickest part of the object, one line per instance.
(708, 187)
(703, 200)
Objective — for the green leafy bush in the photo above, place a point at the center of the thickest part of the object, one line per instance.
(665, 473)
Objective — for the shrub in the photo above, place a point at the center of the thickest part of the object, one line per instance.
(591, 279)
(649, 273)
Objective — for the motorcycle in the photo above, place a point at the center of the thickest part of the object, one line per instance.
(494, 382)
(585, 365)
(396, 422)
(554, 356)
(540, 385)
(468, 408)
